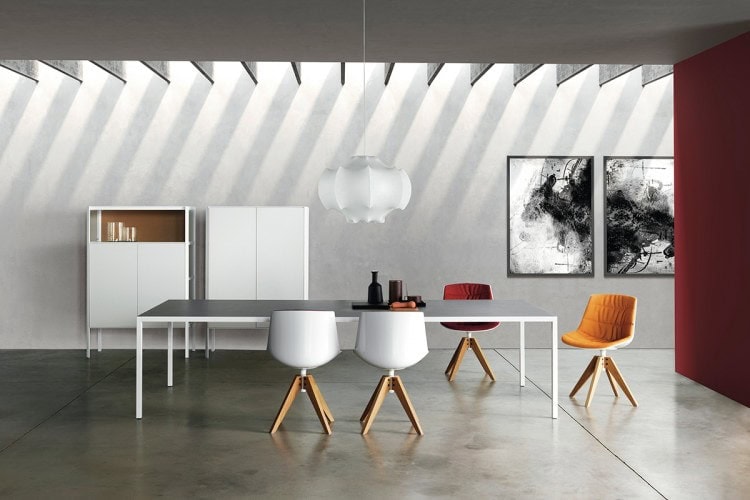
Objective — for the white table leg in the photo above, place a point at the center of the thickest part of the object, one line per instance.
(208, 341)
(554, 368)
(99, 339)
(170, 331)
(522, 354)
(139, 369)
(187, 338)
(88, 341)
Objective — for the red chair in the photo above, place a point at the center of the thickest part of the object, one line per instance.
(468, 291)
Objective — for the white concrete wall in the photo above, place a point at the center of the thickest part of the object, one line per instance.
(66, 145)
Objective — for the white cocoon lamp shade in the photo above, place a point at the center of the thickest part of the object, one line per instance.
(364, 189)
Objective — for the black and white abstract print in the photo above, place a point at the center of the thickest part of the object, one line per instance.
(640, 216)
(549, 215)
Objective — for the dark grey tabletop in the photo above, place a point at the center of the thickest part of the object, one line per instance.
(257, 310)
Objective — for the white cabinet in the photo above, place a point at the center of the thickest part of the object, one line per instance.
(113, 284)
(231, 270)
(161, 274)
(126, 278)
(282, 247)
(256, 253)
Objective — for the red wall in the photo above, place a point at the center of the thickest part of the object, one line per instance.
(712, 218)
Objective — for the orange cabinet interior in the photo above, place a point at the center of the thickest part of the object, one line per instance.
(150, 225)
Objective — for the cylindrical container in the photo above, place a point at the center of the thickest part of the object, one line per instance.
(121, 231)
(375, 291)
(394, 291)
(111, 231)
(132, 234)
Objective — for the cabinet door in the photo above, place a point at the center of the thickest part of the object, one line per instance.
(282, 253)
(230, 253)
(113, 288)
(161, 273)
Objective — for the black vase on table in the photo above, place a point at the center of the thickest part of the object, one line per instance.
(374, 291)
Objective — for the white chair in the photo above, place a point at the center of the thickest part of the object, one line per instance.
(392, 340)
(304, 340)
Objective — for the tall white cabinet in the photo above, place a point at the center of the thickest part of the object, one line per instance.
(126, 278)
(257, 253)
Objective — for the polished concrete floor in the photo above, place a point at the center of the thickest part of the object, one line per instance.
(67, 430)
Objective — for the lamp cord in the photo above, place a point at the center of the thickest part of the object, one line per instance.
(364, 83)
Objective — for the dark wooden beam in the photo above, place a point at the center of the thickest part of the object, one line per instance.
(567, 71)
(477, 71)
(297, 68)
(651, 73)
(387, 72)
(521, 71)
(67, 68)
(161, 68)
(432, 71)
(252, 70)
(609, 72)
(29, 69)
(114, 68)
(205, 68)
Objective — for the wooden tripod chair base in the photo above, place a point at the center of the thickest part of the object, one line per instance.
(594, 369)
(458, 356)
(389, 383)
(305, 383)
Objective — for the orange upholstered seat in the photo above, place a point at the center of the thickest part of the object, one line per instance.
(608, 323)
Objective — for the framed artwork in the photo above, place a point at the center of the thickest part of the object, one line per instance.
(550, 219)
(639, 215)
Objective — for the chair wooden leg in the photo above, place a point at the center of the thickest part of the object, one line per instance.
(595, 379)
(287, 403)
(607, 369)
(374, 396)
(480, 355)
(318, 403)
(376, 404)
(620, 380)
(584, 377)
(314, 385)
(464, 347)
(400, 390)
(454, 357)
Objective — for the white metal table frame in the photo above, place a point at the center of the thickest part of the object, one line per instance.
(245, 311)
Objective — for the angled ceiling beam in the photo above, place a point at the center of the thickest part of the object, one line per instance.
(387, 72)
(521, 71)
(432, 71)
(29, 69)
(651, 73)
(343, 73)
(567, 71)
(297, 68)
(608, 72)
(67, 68)
(114, 68)
(477, 71)
(205, 68)
(161, 68)
(252, 70)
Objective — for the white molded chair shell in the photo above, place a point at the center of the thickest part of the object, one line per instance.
(303, 339)
(392, 340)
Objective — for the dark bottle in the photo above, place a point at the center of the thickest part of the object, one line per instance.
(374, 291)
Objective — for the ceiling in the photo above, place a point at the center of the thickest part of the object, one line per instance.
(509, 31)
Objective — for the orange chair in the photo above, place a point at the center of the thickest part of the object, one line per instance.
(608, 323)
(468, 291)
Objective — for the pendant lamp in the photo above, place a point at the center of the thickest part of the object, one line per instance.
(364, 189)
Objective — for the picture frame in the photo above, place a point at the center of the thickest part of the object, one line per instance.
(550, 219)
(639, 216)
